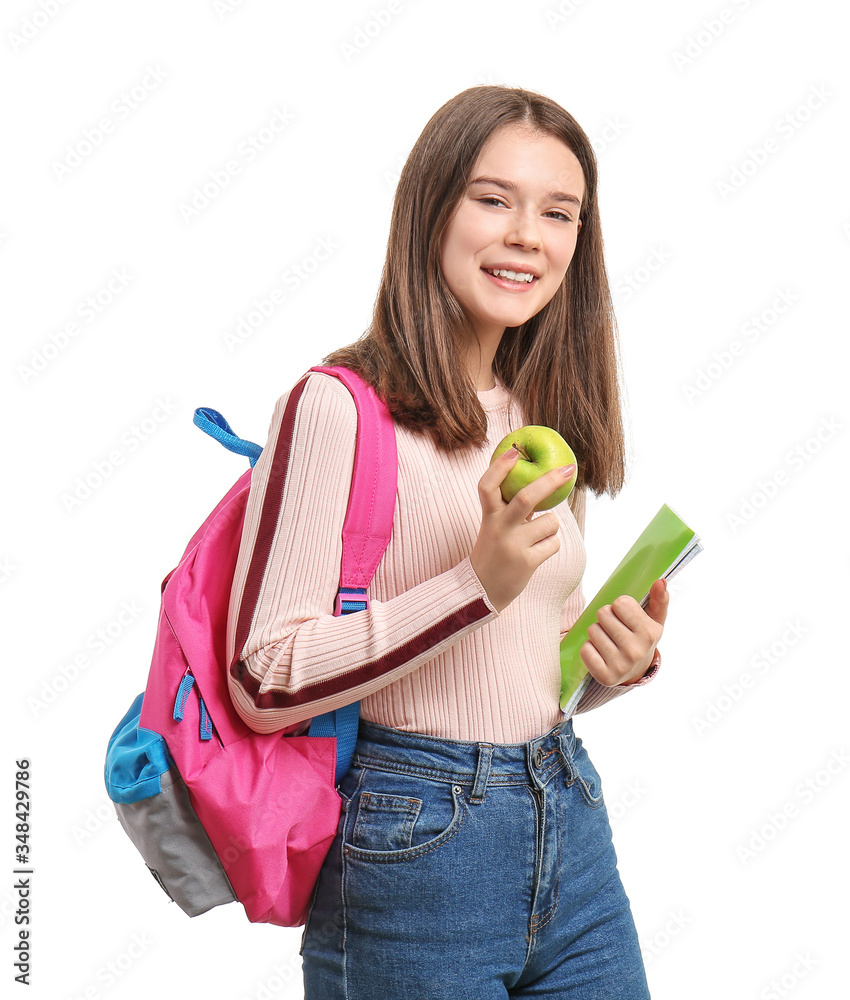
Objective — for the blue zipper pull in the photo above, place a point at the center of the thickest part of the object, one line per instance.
(206, 722)
(186, 685)
(182, 695)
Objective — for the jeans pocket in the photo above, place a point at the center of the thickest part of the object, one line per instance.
(586, 776)
(395, 817)
(385, 822)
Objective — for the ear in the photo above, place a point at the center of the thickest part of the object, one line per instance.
(578, 227)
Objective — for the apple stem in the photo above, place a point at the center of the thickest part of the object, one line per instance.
(521, 450)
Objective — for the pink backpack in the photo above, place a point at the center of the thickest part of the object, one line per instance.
(218, 811)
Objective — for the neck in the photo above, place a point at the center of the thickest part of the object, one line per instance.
(479, 356)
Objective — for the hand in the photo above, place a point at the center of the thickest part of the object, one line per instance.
(621, 643)
(512, 542)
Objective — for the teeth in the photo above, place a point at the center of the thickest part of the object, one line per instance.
(512, 275)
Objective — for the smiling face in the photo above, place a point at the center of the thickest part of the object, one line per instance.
(520, 212)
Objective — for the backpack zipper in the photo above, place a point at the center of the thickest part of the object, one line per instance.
(205, 727)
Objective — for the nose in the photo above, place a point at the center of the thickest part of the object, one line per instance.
(524, 231)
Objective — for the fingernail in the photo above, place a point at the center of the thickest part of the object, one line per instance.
(566, 470)
(511, 452)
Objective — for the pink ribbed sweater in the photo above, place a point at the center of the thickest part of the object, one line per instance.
(431, 654)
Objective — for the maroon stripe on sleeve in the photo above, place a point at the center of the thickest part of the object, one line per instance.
(272, 500)
(469, 613)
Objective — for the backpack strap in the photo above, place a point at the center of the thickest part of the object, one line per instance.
(369, 520)
(365, 532)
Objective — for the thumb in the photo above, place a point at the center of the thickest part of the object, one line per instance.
(659, 599)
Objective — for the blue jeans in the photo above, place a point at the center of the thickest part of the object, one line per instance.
(471, 871)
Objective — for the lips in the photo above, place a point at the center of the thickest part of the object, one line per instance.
(513, 266)
(512, 286)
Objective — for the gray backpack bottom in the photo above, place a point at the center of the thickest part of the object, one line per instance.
(175, 847)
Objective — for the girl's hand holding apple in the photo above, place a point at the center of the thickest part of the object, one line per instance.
(511, 543)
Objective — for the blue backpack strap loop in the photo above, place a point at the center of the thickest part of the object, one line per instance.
(213, 423)
(343, 722)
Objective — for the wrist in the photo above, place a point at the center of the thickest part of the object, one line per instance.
(648, 674)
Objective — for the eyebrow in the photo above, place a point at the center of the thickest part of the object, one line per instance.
(510, 186)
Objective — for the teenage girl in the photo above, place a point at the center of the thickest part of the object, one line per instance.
(474, 856)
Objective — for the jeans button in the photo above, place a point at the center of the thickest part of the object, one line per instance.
(538, 758)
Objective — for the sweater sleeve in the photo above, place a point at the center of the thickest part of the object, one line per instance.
(595, 694)
(299, 660)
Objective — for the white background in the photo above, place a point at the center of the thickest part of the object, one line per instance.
(723, 154)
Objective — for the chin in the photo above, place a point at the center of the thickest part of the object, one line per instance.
(515, 321)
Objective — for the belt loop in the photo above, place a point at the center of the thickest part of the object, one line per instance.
(482, 772)
(564, 746)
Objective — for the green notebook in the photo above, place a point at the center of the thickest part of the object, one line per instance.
(663, 548)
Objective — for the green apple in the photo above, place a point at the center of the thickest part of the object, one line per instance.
(540, 450)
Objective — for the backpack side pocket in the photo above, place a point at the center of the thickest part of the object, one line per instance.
(175, 847)
(153, 806)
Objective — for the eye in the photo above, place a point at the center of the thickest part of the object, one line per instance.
(497, 201)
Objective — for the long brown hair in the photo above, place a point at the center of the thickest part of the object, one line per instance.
(561, 365)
